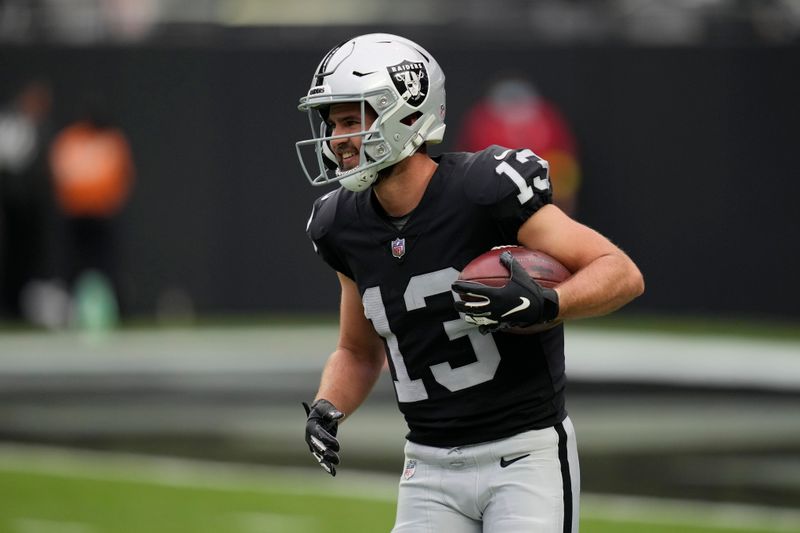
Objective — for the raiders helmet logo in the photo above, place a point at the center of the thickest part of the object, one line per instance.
(411, 81)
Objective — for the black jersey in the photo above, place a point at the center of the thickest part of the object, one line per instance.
(454, 385)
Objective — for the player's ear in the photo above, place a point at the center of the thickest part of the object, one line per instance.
(370, 115)
(409, 120)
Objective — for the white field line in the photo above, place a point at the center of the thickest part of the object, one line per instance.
(39, 525)
(362, 485)
(166, 471)
(728, 516)
(261, 522)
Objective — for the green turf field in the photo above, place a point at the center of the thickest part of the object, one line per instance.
(63, 492)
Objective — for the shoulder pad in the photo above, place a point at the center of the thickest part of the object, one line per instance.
(323, 214)
(497, 172)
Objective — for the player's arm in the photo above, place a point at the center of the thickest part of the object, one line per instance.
(355, 365)
(604, 278)
(348, 377)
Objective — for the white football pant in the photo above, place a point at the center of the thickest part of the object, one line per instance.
(528, 483)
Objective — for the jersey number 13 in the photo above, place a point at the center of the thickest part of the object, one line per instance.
(487, 358)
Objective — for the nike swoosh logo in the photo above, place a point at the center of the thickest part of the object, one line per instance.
(524, 305)
(502, 156)
(504, 463)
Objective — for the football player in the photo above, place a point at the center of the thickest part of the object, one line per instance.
(490, 446)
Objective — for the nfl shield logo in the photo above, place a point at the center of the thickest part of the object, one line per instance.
(399, 248)
(411, 467)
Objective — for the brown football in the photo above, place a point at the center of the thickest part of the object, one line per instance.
(487, 269)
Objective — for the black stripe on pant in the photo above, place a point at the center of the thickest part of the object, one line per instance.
(566, 480)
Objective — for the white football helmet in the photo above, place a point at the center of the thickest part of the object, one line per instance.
(397, 79)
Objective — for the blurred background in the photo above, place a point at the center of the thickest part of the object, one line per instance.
(158, 293)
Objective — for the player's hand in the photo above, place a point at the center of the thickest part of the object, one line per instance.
(521, 302)
(321, 426)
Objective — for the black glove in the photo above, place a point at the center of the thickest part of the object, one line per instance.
(521, 302)
(321, 427)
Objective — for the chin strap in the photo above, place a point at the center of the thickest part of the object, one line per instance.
(419, 137)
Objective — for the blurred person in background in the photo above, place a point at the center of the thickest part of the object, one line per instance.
(92, 170)
(514, 114)
(490, 446)
(24, 193)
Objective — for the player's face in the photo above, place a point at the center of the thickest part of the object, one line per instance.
(343, 119)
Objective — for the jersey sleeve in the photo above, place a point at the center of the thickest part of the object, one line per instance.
(512, 184)
(323, 216)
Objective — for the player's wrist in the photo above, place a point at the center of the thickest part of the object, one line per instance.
(550, 305)
(322, 407)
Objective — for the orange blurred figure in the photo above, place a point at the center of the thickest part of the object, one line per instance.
(92, 170)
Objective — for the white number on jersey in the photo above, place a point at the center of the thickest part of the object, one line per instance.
(525, 190)
(453, 379)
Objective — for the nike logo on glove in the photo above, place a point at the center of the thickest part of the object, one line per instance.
(504, 463)
(521, 307)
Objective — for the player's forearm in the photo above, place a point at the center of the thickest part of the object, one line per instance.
(603, 286)
(348, 379)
